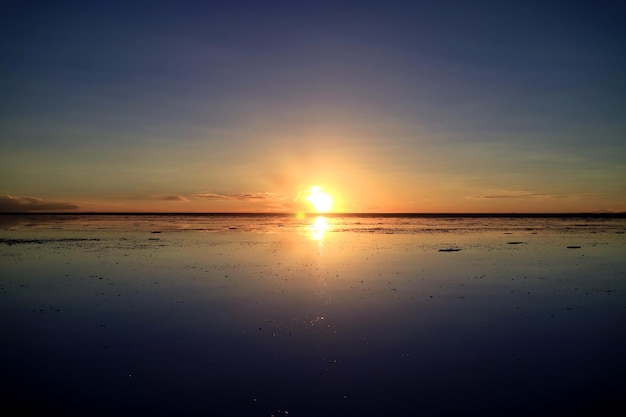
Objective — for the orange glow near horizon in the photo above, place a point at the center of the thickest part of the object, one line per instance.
(321, 201)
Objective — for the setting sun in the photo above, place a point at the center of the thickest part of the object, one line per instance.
(321, 201)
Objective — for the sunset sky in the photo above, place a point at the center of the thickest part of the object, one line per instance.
(405, 106)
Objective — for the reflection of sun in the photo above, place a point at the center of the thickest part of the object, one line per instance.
(321, 201)
(318, 228)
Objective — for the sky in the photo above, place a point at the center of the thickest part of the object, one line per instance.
(243, 106)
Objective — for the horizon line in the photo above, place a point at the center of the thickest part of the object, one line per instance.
(329, 214)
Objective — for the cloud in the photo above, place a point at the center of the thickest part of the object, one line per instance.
(527, 195)
(11, 203)
(240, 196)
(174, 198)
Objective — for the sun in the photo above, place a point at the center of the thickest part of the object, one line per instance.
(321, 201)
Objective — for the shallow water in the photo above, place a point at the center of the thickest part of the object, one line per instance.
(344, 315)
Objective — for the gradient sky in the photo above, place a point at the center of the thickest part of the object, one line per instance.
(405, 106)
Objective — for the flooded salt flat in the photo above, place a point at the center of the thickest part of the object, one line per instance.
(338, 315)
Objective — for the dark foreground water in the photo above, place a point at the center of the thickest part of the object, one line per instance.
(336, 316)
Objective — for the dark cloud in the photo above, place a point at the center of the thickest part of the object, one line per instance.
(239, 196)
(11, 203)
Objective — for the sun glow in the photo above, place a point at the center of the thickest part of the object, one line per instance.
(321, 201)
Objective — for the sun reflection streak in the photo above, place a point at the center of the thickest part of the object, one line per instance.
(318, 228)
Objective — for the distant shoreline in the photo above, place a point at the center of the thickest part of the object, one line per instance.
(363, 215)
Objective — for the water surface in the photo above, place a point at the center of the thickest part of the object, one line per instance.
(233, 315)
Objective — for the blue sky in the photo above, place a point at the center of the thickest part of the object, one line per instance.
(390, 106)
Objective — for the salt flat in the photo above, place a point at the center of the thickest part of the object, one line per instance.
(341, 315)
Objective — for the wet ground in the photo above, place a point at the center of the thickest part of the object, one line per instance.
(335, 316)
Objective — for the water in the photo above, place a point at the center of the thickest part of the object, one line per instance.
(259, 315)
